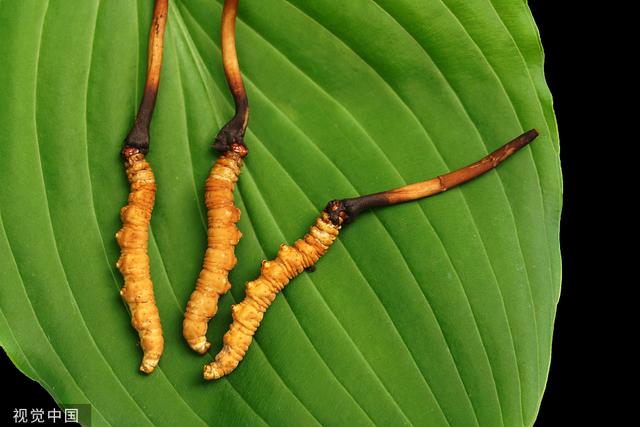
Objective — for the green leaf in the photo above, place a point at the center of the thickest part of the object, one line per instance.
(430, 313)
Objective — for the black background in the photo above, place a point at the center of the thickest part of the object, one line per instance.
(559, 403)
(567, 393)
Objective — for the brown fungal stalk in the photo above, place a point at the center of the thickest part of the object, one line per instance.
(349, 209)
(292, 260)
(232, 132)
(222, 215)
(133, 237)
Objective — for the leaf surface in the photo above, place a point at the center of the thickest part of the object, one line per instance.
(438, 312)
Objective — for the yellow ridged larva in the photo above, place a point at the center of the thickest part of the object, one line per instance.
(219, 259)
(260, 293)
(133, 263)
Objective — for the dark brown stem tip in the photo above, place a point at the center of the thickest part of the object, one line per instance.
(531, 134)
(138, 138)
(346, 210)
(337, 211)
(524, 139)
(231, 138)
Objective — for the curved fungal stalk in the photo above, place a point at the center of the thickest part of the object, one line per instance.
(133, 237)
(292, 260)
(222, 215)
(232, 132)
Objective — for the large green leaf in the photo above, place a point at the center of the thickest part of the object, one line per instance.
(430, 313)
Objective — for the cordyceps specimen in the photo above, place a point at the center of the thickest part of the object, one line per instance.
(222, 215)
(133, 237)
(292, 260)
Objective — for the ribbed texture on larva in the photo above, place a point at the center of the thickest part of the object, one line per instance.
(133, 263)
(274, 275)
(219, 258)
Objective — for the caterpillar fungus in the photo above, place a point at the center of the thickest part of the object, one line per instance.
(133, 237)
(292, 260)
(222, 215)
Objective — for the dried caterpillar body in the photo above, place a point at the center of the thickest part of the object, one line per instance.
(291, 261)
(223, 234)
(260, 293)
(219, 259)
(133, 237)
(133, 263)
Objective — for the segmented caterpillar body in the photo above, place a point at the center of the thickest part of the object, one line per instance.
(260, 293)
(292, 260)
(133, 263)
(223, 235)
(219, 258)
